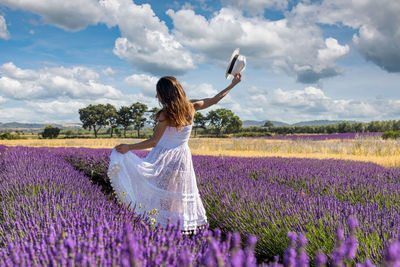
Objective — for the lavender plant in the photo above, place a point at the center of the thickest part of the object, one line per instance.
(52, 212)
(315, 137)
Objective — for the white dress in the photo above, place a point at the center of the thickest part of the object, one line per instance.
(163, 180)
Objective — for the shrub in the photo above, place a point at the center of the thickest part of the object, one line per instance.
(50, 132)
(391, 135)
(251, 134)
(10, 136)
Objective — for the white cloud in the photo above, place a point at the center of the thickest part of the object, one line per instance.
(332, 51)
(145, 42)
(108, 71)
(64, 109)
(18, 114)
(289, 44)
(11, 71)
(199, 91)
(4, 34)
(69, 15)
(311, 103)
(256, 6)
(377, 22)
(310, 98)
(2, 100)
(146, 83)
(75, 82)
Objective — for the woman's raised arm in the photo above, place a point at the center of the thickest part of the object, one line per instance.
(207, 102)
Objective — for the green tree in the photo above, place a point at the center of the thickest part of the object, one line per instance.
(396, 126)
(69, 132)
(50, 132)
(234, 125)
(138, 110)
(125, 117)
(6, 136)
(112, 118)
(345, 127)
(152, 116)
(268, 124)
(359, 127)
(374, 126)
(331, 128)
(93, 117)
(222, 119)
(199, 121)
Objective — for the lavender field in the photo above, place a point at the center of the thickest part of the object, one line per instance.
(315, 137)
(57, 208)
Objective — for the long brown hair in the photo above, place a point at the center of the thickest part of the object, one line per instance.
(176, 107)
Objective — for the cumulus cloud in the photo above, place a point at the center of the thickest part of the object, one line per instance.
(2, 100)
(66, 109)
(200, 91)
(146, 83)
(108, 71)
(20, 114)
(3, 29)
(312, 103)
(69, 15)
(256, 6)
(310, 99)
(145, 42)
(63, 108)
(75, 82)
(377, 22)
(289, 45)
(11, 71)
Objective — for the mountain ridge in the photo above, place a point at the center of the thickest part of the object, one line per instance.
(19, 125)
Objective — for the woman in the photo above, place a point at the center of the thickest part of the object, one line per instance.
(164, 180)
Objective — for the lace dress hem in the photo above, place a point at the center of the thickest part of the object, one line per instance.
(163, 181)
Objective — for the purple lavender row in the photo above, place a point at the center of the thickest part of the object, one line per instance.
(302, 195)
(52, 214)
(318, 137)
(272, 196)
(248, 208)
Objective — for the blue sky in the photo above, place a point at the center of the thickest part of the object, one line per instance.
(306, 60)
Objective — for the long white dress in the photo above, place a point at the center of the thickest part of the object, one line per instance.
(164, 180)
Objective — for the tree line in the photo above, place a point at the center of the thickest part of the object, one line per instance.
(95, 117)
(342, 127)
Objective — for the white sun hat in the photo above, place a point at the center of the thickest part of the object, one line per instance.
(236, 65)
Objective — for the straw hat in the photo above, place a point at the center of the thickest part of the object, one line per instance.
(236, 65)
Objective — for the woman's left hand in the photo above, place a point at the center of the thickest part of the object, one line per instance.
(122, 148)
(236, 79)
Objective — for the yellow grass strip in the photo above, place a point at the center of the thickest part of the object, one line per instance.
(92, 143)
(386, 161)
(383, 152)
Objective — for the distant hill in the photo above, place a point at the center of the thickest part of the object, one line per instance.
(18, 125)
(319, 122)
(249, 123)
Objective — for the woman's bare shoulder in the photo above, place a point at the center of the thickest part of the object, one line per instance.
(197, 103)
(161, 116)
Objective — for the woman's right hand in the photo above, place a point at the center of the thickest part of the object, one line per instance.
(236, 79)
(122, 148)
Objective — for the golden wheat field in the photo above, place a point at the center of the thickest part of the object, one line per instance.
(377, 150)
